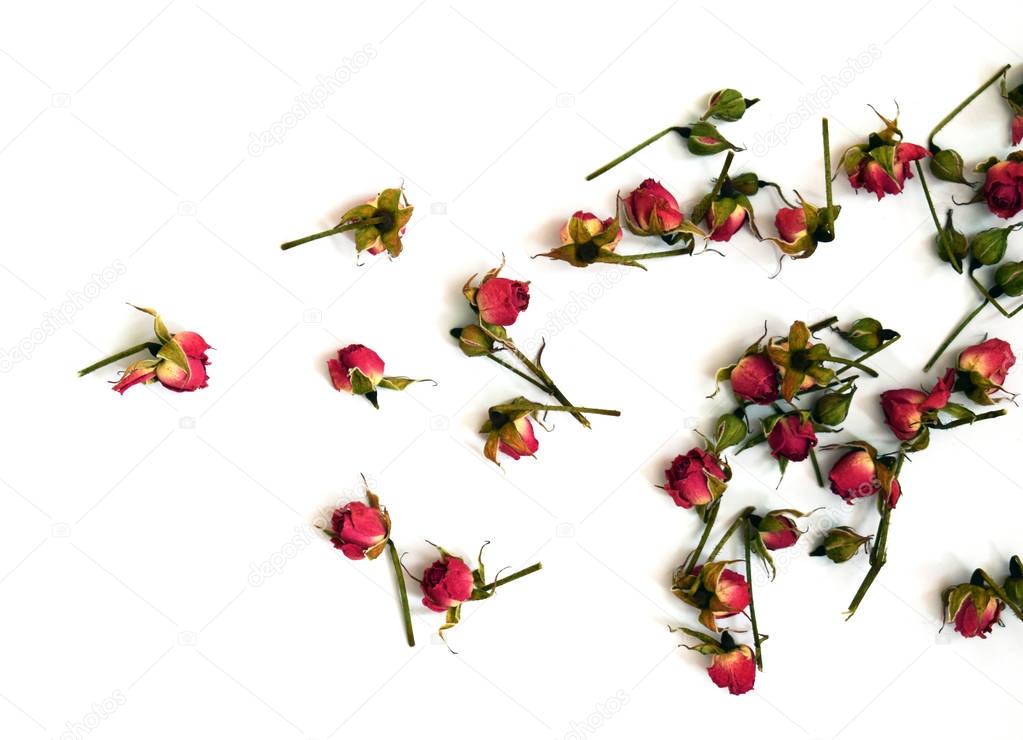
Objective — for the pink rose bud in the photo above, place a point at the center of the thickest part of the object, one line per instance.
(500, 300)
(858, 474)
(650, 210)
(985, 365)
(972, 607)
(791, 437)
(360, 531)
(1003, 188)
(518, 439)
(357, 370)
(713, 589)
(584, 223)
(907, 410)
(865, 168)
(734, 668)
(727, 225)
(790, 224)
(446, 583)
(755, 379)
(695, 479)
(777, 529)
(180, 379)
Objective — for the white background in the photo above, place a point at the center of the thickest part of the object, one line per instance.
(132, 526)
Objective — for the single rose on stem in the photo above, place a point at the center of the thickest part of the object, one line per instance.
(363, 531)
(178, 360)
(701, 137)
(358, 370)
(881, 164)
(509, 426)
(449, 582)
(732, 666)
(379, 224)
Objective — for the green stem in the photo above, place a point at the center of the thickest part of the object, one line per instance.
(777, 188)
(963, 422)
(870, 353)
(823, 324)
(518, 372)
(946, 247)
(729, 532)
(878, 557)
(816, 468)
(514, 576)
(852, 363)
(336, 230)
(406, 615)
(664, 253)
(1000, 593)
(114, 358)
(618, 160)
(830, 213)
(579, 409)
(951, 337)
(958, 109)
(722, 177)
(991, 297)
(694, 557)
(752, 607)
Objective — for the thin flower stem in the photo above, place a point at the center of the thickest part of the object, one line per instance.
(336, 230)
(870, 353)
(852, 363)
(958, 109)
(1000, 593)
(665, 253)
(994, 301)
(406, 614)
(878, 557)
(518, 372)
(823, 324)
(514, 576)
(830, 212)
(694, 556)
(114, 358)
(580, 409)
(722, 176)
(963, 422)
(946, 247)
(955, 333)
(816, 468)
(749, 582)
(777, 188)
(618, 160)
(729, 532)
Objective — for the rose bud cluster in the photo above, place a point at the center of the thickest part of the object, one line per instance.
(882, 163)
(697, 478)
(841, 544)
(909, 412)
(178, 361)
(359, 371)
(715, 590)
(360, 530)
(860, 473)
(973, 607)
(732, 666)
(1003, 185)
(378, 224)
(983, 369)
(449, 582)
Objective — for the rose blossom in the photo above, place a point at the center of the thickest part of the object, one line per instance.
(989, 361)
(355, 357)
(792, 437)
(650, 210)
(359, 530)
(446, 583)
(690, 477)
(790, 224)
(904, 409)
(734, 669)
(868, 172)
(169, 373)
(500, 300)
(755, 379)
(855, 475)
(1003, 188)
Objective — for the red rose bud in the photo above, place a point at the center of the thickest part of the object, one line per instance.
(713, 589)
(791, 437)
(755, 379)
(777, 529)
(728, 105)
(983, 368)
(180, 378)
(511, 434)
(500, 300)
(379, 224)
(446, 583)
(801, 228)
(790, 224)
(360, 531)
(1003, 188)
(858, 474)
(650, 210)
(696, 478)
(841, 544)
(734, 668)
(882, 164)
(907, 411)
(724, 218)
(972, 608)
(357, 370)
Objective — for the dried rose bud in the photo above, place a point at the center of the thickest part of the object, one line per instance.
(907, 411)
(446, 583)
(841, 544)
(1003, 188)
(831, 409)
(867, 334)
(696, 478)
(755, 379)
(790, 436)
(713, 589)
(360, 531)
(473, 341)
(948, 165)
(728, 105)
(983, 368)
(1009, 278)
(777, 528)
(650, 210)
(859, 473)
(972, 607)
(882, 164)
(734, 668)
